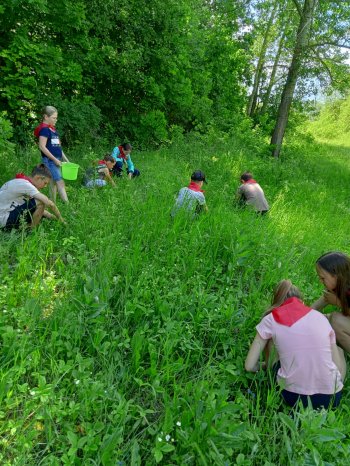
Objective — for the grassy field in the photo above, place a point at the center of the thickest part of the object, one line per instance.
(124, 334)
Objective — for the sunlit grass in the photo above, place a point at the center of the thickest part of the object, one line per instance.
(126, 327)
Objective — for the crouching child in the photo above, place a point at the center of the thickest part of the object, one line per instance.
(100, 175)
(191, 199)
(122, 156)
(251, 194)
(22, 202)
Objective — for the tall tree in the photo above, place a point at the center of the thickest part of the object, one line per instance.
(261, 59)
(272, 77)
(318, 55)
(306, 13)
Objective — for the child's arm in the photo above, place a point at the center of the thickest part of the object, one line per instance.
(130, 166)
(328, 298)
(252, 362)
(108, 177)
(45, 151)
(240, 193)
(331, 298)
(319, 304)
(339, 359)
(65, 158)
(50, 205)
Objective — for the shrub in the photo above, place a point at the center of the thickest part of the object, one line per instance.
(152, 128)
(78, 122)
(6, 133)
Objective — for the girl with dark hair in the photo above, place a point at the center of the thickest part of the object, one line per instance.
(121, 155)
(333, 270)
(311, 367)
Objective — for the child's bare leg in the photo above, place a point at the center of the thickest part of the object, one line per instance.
(62, 190)
(37, 215)
(341, 326)
(53, 191)
(130, 176)
(341, 362)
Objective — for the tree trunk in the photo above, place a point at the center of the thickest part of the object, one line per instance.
(261, 61)
(273, 75)
(288, 91)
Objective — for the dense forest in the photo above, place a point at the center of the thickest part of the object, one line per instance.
(148, 71)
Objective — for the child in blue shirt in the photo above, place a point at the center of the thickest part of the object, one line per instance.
(121, 155)
(51, 151)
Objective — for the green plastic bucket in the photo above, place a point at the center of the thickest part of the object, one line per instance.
(70, 170)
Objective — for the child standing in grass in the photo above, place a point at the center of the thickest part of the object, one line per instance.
(252, 194)
(333, 269)
(102, 174)
(21, 201)
(311, 366)
(192, 197)
(51, 151)
(121, 155)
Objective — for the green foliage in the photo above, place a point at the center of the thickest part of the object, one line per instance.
(152, 128)
(79, 122)
(6, 132)
(141, 66)
(333, 120)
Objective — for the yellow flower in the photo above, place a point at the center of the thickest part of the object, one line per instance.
(39, 426)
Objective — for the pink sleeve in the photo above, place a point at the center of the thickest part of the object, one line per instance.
(332, 337)
(264, 329)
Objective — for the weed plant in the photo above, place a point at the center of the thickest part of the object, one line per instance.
(124, 334)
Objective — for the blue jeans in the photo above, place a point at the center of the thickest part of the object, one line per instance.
(54, 169)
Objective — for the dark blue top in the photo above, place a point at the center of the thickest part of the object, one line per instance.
(53, 143)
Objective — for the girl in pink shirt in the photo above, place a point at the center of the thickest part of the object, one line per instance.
(312, 367)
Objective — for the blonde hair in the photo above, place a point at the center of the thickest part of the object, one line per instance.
(284, 290)
(48, 110)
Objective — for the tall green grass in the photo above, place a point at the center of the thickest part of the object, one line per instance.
(124, 334)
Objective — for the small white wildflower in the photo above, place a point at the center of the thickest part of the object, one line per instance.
(32, 392)
(178, 423)
(160, 439)
(167, 438)
(97, 299)
(172, 440)
(77, 382)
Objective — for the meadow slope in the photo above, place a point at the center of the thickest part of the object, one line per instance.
(123, 335)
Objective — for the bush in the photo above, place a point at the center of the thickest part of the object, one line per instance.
(152, 128)
(78, 122)
(6, 133)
